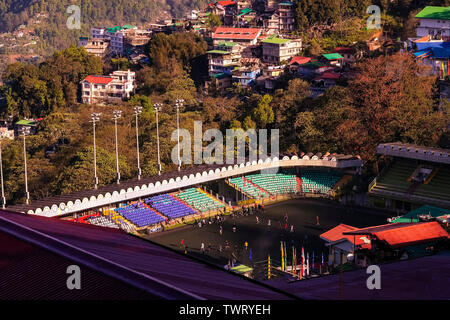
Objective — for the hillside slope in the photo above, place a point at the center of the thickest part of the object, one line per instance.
(47, 18)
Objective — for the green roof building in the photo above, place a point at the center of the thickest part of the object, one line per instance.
(414, 215)
(434, 21)
(332, 56)
(275, 50)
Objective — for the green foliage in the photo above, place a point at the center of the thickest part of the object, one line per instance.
(213, 21)
(386, 102)
(32, 91)
(144, 101)
(121, 64)
(53, 32)
(81, 165)
(165, 50)
(326, 12)
(263, 113)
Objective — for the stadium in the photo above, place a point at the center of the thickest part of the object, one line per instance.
(265, 221)
(411, 176)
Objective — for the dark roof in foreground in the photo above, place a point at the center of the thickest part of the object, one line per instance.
(138, 263)
(28, 272)
(424, 278)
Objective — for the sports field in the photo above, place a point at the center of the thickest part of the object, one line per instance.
(263, 239)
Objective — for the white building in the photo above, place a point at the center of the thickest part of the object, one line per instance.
(96, 46)
(119, 85)
(275, 50)
(434, 21)
(116, 36)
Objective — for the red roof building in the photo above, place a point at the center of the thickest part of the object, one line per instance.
(339, 233)
(245, 36)
(98, 79)
(383, 243)
(299, 60)
(341, 245)
(226, 3)
(119, 85)
(398, 235)
(328, 75)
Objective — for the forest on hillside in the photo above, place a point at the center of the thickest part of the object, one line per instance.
(54, 34)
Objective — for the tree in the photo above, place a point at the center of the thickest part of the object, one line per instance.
(79, 172)
(213, 21)
(263, 113)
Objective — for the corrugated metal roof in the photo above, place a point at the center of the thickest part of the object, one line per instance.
(412, 216)
(404, 234)
(434, 12)
(138, 262)
(416, 279)
(28, 272)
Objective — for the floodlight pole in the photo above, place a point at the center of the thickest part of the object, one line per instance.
(25, 131)
(137, 111)
(1, 176)
(95, 118)
(178, 104)
(117, 115)
(157, 109)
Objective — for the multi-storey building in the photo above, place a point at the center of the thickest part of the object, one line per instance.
(275, 50)
(96, 46)
(286, 11)
(119, 85)
(246, 74)
(243, 36)
(98, 33)
(271, 22)
(116, 36)
(434, 21)
(224, 58)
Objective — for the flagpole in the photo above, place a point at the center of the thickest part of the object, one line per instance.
(295, 261)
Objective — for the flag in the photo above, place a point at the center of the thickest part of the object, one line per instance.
(307, 264)
(295, 261)
(250, 255)
(285, 256)
(312, 266)
(303, 262)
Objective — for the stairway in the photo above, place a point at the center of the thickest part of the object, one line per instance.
(264, 191)
(299, 184)
(412, 188)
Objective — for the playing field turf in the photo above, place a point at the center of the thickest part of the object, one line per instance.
(264, 240)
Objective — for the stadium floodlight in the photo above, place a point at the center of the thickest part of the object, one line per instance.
(1, 177)
(178, 104)
(95, 117)
(116, 115)
(25, 131)
(158, 107)
(137, 112)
